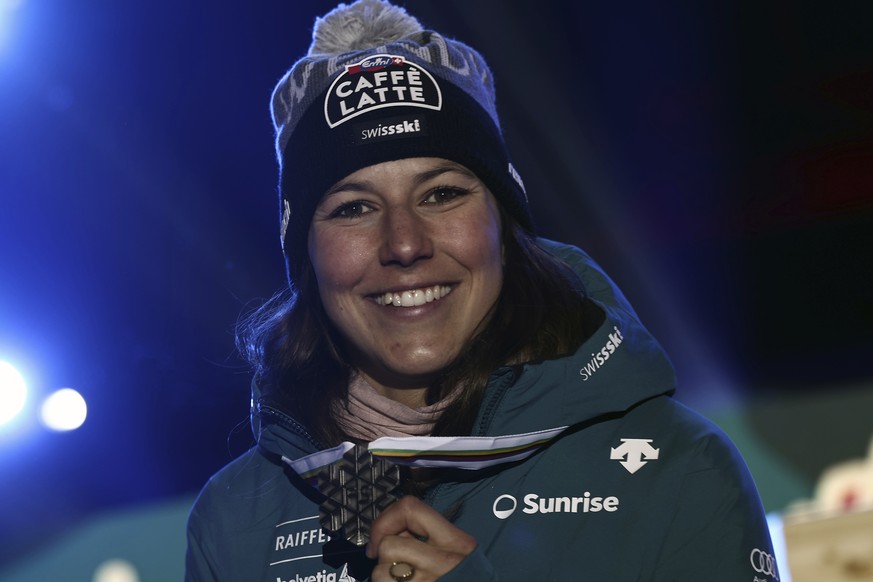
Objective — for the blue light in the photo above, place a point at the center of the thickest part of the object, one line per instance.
(13, 392)
(7, 7)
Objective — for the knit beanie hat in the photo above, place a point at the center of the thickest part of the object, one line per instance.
(376, 87)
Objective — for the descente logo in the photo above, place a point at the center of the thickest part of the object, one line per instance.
(505, 505)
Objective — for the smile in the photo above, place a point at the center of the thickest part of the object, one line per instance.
(414, 297)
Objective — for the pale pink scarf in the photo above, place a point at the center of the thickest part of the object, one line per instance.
(367, 415)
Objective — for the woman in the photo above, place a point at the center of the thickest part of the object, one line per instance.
(423, 309)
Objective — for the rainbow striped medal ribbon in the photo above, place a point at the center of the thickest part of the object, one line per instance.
(359, 481)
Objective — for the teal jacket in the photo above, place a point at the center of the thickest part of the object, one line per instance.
(638, 487)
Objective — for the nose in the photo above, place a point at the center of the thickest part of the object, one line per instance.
(405, 237)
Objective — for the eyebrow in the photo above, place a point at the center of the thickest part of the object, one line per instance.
(440, 170)
(418, 179)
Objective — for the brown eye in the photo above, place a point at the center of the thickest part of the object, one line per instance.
(353, 209)
(444, 194)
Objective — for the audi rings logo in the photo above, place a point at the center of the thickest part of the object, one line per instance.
(506, 511)
(764, 563)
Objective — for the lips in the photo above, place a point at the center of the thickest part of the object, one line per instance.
(414, 297)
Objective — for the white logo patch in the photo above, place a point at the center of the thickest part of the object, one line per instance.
(505, 505)
(505, 511)
(764, 563)
(600, 358)
(376, 82)
(632, 452)
(322, 576)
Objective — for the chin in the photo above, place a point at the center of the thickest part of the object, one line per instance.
(412, 371)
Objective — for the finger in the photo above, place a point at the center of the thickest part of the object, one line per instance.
(412, 515)
(425, 557)
(392, 521)
(382, 573)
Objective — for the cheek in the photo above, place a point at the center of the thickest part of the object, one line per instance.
(478, 241)
(338, 259)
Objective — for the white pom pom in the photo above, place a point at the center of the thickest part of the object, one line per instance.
(361, 25)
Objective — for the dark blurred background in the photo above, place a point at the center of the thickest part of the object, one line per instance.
(716, 159)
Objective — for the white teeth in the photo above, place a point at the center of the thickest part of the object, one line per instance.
(414, 297)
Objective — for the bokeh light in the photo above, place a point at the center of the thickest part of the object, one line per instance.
(116, 571)
(13, 392)
(64, 410)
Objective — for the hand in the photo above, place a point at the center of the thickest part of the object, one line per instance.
(411, 531)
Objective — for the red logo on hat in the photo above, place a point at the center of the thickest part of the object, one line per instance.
(374, 64)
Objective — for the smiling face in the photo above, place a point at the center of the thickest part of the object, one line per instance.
(408, 259)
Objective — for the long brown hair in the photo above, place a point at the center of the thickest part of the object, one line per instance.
(542, 313)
